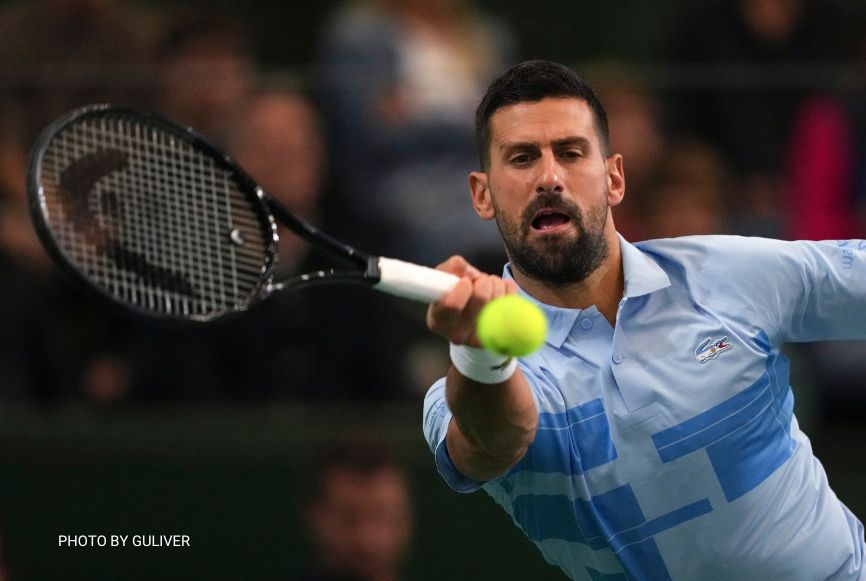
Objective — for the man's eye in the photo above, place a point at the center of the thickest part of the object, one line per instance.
(572, 154)
(522, 159)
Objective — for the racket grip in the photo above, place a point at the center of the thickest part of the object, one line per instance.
(412, 281)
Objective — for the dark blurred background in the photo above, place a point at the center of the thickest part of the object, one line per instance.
(744, 117)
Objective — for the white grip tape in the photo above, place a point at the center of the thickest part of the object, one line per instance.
(481, 365)
(412, 281)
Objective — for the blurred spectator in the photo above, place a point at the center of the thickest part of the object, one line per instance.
(745, 87)
(207, 68)
(820, 173)
(358, 513)
(399, 83)
(637, 132)
(690, 194)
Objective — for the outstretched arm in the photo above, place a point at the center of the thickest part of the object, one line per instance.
(493, 423)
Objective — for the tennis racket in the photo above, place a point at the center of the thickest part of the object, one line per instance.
(157, 219)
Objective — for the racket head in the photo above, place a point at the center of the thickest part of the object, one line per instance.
(151, 215)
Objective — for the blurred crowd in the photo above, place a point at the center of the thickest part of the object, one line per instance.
(357, 509)
(755, 124)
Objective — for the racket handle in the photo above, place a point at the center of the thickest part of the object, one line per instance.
(412, 281)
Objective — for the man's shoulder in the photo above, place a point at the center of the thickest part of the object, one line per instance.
(708, 241)
(709, 250)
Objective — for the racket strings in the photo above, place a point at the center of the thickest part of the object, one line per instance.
(151, 219)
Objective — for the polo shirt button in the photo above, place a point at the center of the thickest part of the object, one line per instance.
(617, 358)
(586, 324)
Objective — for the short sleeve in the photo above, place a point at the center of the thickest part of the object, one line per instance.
(436, 419)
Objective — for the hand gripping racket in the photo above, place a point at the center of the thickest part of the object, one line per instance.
(159, 220)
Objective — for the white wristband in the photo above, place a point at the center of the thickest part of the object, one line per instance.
(481, 365)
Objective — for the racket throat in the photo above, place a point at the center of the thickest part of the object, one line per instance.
(373, 274)
(370, 277)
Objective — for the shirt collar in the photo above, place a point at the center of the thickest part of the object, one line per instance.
(642, 276)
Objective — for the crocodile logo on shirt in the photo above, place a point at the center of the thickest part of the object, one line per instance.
(711, 348)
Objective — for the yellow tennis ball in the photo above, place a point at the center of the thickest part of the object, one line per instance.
(511, 325)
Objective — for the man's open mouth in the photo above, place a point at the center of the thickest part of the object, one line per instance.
(549, 219)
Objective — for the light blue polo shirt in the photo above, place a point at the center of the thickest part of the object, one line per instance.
(667, 446)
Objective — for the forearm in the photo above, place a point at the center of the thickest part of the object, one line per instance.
(493, 414)
(493, 425)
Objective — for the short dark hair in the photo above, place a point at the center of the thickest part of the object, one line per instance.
(532, 81)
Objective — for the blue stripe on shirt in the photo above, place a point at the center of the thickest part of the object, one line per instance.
(612, 520)
(570, 442)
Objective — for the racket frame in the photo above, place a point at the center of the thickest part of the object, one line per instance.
(246, 185)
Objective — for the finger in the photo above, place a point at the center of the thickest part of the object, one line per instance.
(482, 294)
(446, 312)
(459, 266)
(499, 288)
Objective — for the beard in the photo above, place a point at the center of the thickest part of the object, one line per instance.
(562, 259)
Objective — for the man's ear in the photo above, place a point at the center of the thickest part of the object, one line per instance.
(615, 180)
(481, 198)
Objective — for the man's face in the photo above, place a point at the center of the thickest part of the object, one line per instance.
(549, 186)
(362, 522)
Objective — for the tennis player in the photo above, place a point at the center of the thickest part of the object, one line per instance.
(652, 436)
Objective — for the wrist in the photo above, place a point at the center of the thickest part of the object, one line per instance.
(481, 365)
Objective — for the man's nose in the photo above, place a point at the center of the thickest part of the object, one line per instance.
(549, 178)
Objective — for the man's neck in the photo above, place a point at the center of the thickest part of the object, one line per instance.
(602, 288)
